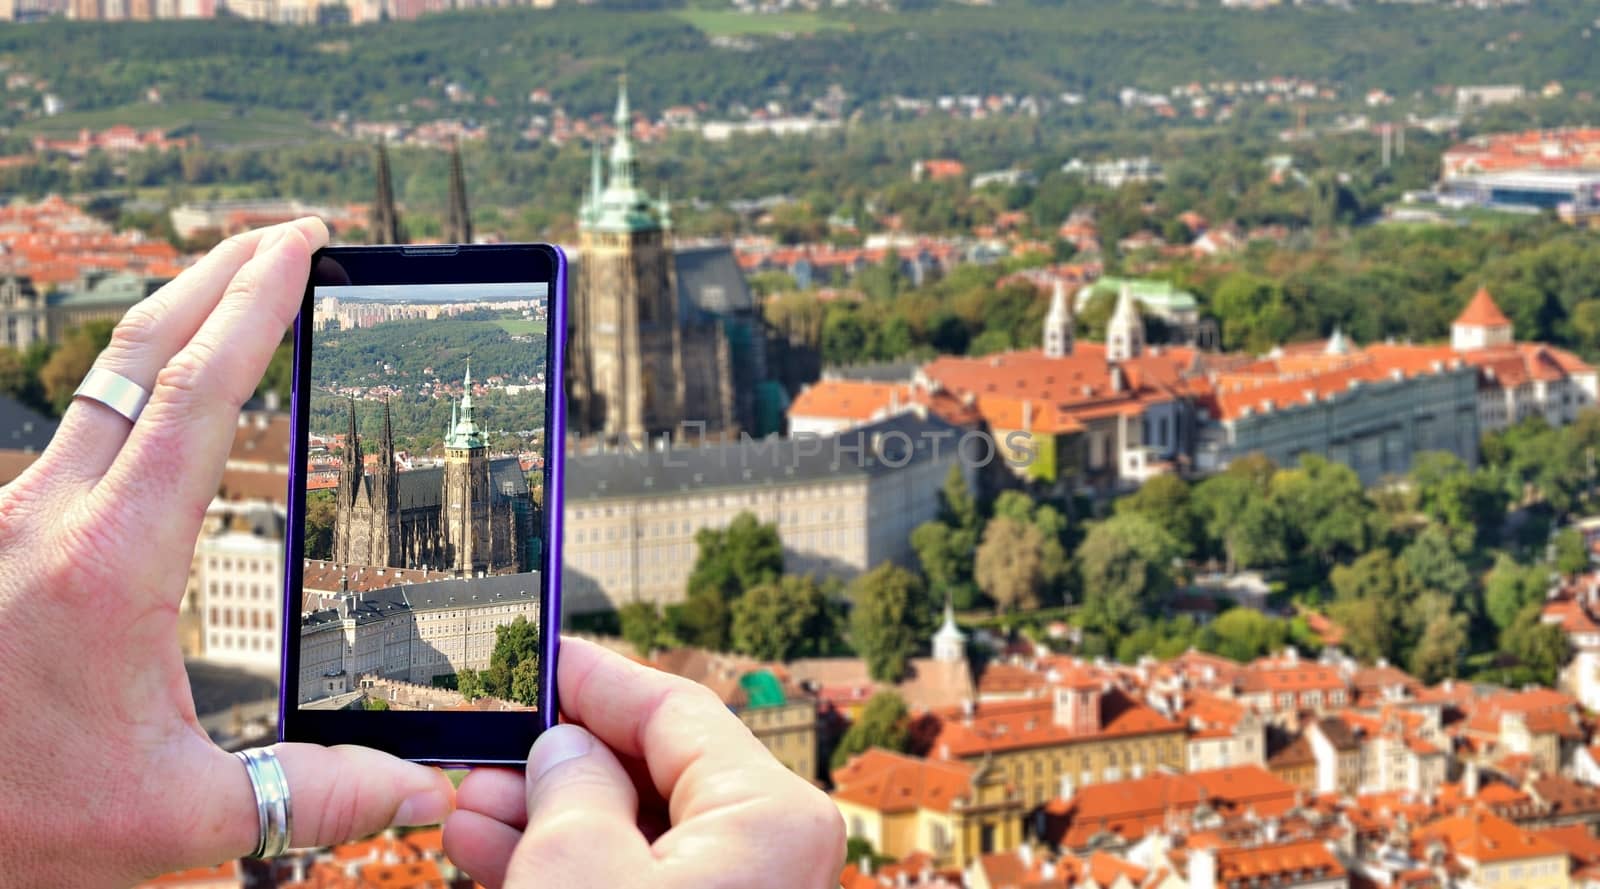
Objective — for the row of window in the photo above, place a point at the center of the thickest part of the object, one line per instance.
(219, 641)
(226, 589)
(257, 619)
(252, 566)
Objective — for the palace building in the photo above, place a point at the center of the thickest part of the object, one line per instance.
(471, 516)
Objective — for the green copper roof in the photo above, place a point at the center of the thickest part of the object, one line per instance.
(1153, 294)
(762, 689)
(620, 205)
(464, 431)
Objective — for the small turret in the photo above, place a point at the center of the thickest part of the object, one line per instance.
(1058, 323)
(1125, 333)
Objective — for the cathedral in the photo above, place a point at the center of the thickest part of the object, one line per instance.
(661, 336)
(473, 515)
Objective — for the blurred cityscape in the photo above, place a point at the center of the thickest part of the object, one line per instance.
(1119, 471)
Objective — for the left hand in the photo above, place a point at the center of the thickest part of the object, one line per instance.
(105, 775)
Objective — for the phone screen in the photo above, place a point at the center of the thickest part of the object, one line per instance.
(425, 451)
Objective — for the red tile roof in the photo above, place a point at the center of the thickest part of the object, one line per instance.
(1481, 311)
(892, 782)
(1018, 725)
(1484, 838)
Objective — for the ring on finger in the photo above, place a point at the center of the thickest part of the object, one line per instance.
(115, 391)
(271, 788)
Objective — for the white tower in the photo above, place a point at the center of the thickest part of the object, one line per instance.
(949, 644)
(1125, 333)
(1058, 324)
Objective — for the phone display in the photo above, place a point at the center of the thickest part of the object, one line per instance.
(422, 596)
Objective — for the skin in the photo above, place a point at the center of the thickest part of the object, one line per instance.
(105, 775)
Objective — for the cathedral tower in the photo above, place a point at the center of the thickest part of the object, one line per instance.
(466, 494)
(627, 353)
(383, 222)
(458, 224)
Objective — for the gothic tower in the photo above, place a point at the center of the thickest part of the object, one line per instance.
(458, 224)
(385, 495)
(383, 221)
(466, 497)
(627, 352)
(1058, 324)
(1125, 332)
(345, 549)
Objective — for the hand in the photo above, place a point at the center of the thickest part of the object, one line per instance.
(688, 800)
(105, 775)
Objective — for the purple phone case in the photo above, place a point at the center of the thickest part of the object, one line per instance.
(555, 460)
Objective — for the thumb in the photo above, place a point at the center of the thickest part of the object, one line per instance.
(582, 816)
(336, 794)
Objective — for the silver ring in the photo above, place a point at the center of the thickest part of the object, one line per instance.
(115, 391)
(271, 788)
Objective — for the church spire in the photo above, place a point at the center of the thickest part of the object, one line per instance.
(1058, 323)
(623, 164)
(383, 221)
(591, 206)
(464, 431)
(458, 227)
(350, 474)
(949, 644)
(1125, 333)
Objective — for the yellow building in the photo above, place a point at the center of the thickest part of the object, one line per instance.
(953, 811)
(1497, 854)
(1083, 734)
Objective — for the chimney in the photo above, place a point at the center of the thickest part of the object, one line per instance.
(1025, 854)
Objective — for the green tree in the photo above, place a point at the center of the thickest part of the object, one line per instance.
(69, 363)
(470, 683)
(945, 548)
(1510, 588)
(784, 620)
(1572, 556)
(1433, 563)
(1244, 634)
(515, 644)
(1441, 640)
(321, 510)
(884, 723)
(1125, 563)
(1017, 563)
(1239, 521)
(1470, 503)
(642, 626)
(730, 561)
(525, 682)
(1371, 598)
(892, 615)
(1164, 500)
(1324, 508)
(374, 704)
(1540, 648)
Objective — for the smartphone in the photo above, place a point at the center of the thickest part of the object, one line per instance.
(422, 591)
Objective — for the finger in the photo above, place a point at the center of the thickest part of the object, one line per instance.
(666, 720)
(580, 801)
(336, 794)
(501, 794)
(169, 469)
(148, 335)
(481, 845)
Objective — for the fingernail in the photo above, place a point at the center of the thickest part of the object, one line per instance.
(314, 229)
(557, 745)
(418, 809)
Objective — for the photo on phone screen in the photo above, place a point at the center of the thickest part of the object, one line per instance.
(425, 454)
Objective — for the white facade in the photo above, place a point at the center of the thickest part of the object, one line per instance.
(239, 577)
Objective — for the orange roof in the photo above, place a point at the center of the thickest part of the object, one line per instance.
(1131, 809)
(1483, 837)
(892, 782)
(1017, 725)
(409, 875)
(848, 399)
(208, 876)
(1267, 863)
(1482, 312)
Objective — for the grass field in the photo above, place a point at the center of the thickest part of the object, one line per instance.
(214, 122)
(521, 326)
(727, 23)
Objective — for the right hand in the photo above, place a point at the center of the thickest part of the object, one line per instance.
(689, 799)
